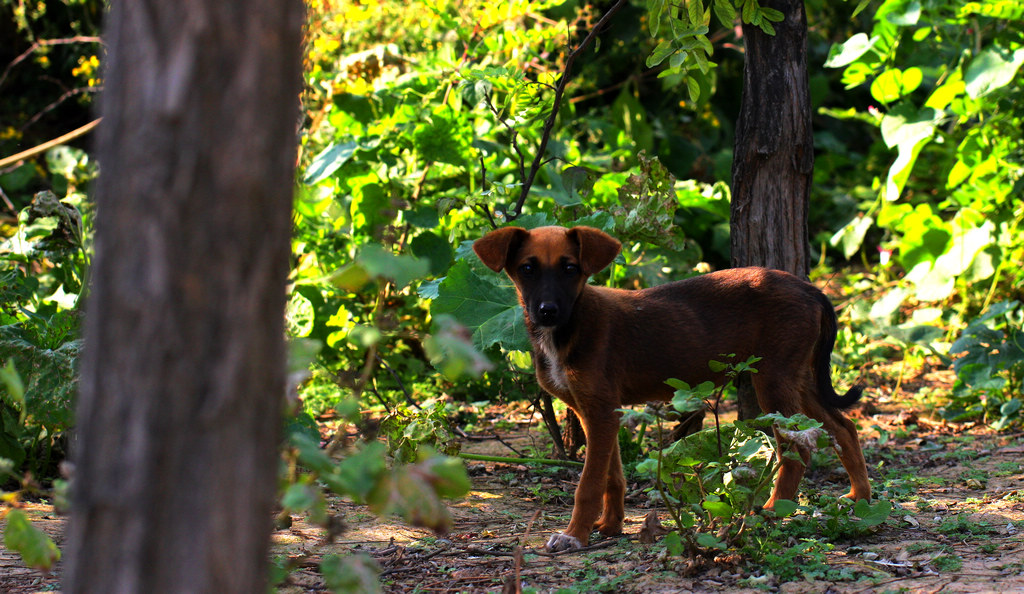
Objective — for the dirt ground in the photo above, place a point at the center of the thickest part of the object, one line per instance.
(957, 526)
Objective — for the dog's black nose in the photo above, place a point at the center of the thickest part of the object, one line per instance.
(547, 312)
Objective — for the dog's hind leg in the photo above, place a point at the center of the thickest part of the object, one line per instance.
(780, 395)
(791, 469)
(850, 454)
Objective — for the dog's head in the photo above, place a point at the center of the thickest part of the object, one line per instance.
(549, 265)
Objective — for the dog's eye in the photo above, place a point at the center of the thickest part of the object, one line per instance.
(571, 269)
(526, 269)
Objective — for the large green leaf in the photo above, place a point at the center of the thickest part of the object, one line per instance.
(842, 54)
(486, 305)
(49, 378)
(895, 83)
(352, 574)
(328, 161)
(908, 129)
(851, 236)
(37, 550)
(992, 69)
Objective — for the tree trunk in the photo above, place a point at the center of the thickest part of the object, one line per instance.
(773, 159)
(183, 373)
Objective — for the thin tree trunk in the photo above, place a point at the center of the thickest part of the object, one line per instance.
(773, 160)
(183, 372)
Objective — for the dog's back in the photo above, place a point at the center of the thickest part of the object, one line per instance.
(674, 330)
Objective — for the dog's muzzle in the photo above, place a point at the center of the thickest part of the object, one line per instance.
(547, 313)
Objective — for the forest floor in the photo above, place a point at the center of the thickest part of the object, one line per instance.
(957, 524)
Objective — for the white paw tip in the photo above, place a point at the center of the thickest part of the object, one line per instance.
(563, 542)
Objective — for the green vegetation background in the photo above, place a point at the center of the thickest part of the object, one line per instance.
(419, 126)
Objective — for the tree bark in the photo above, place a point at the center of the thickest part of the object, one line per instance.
(773, 160)
(183, 373)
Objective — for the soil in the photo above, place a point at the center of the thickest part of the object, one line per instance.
(957, 525)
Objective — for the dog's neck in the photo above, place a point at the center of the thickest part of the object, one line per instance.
(545, 346)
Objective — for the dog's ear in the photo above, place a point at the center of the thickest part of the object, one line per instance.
(597, 248)
(494, 248)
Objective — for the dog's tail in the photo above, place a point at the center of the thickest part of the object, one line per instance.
(823, 359)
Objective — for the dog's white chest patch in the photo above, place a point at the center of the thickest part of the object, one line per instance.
(556, 372)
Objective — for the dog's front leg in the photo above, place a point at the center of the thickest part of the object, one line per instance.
(610, 523)
(602, 435)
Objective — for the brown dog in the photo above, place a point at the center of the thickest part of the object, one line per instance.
(598, 348)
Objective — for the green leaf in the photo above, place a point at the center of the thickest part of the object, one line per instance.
(895, 83)
(360, 473)
(298, 497)
(693, 89)
(663, 50)
(785, 508)
(1010, 407)
(718, 509)
(909, 130)
(992, 69)
(50, 388)
(872, 514)
(916, 334)
(655, 8)
(968, 241)
(379, 261)
(749, 11)
(14, 390)
(725, 12)
(355, 574)
(851, 236)
(842, 54)
(451, 350)
(37, 550)
(907, 15)
(708, 541)
(674, 544)
(1008, 10)
(371, 207)
(447, 475)
(886, 307)
(487, 306)
(695, 10)
(931, 283)
(328, 161)
(434, 249)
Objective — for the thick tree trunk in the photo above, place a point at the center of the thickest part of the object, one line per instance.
(773, 159)
(183, 373)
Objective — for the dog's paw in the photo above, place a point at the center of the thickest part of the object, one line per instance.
(562, 542)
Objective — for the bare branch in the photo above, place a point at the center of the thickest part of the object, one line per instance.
(549, 124)
(44, 43)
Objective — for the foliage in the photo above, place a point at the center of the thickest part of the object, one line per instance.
(421, 124)
(36, 548)
(48, 75)
(413, 491)
(407, 432)
(713, 483)
(688, 49)
(43, 276)
(989, 367)
(941, 75)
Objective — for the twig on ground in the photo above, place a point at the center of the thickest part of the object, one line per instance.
(545, 461)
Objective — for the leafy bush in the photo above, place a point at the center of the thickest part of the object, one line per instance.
(43, 275)
(941, 77)
(713, 483)
(990, 367)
